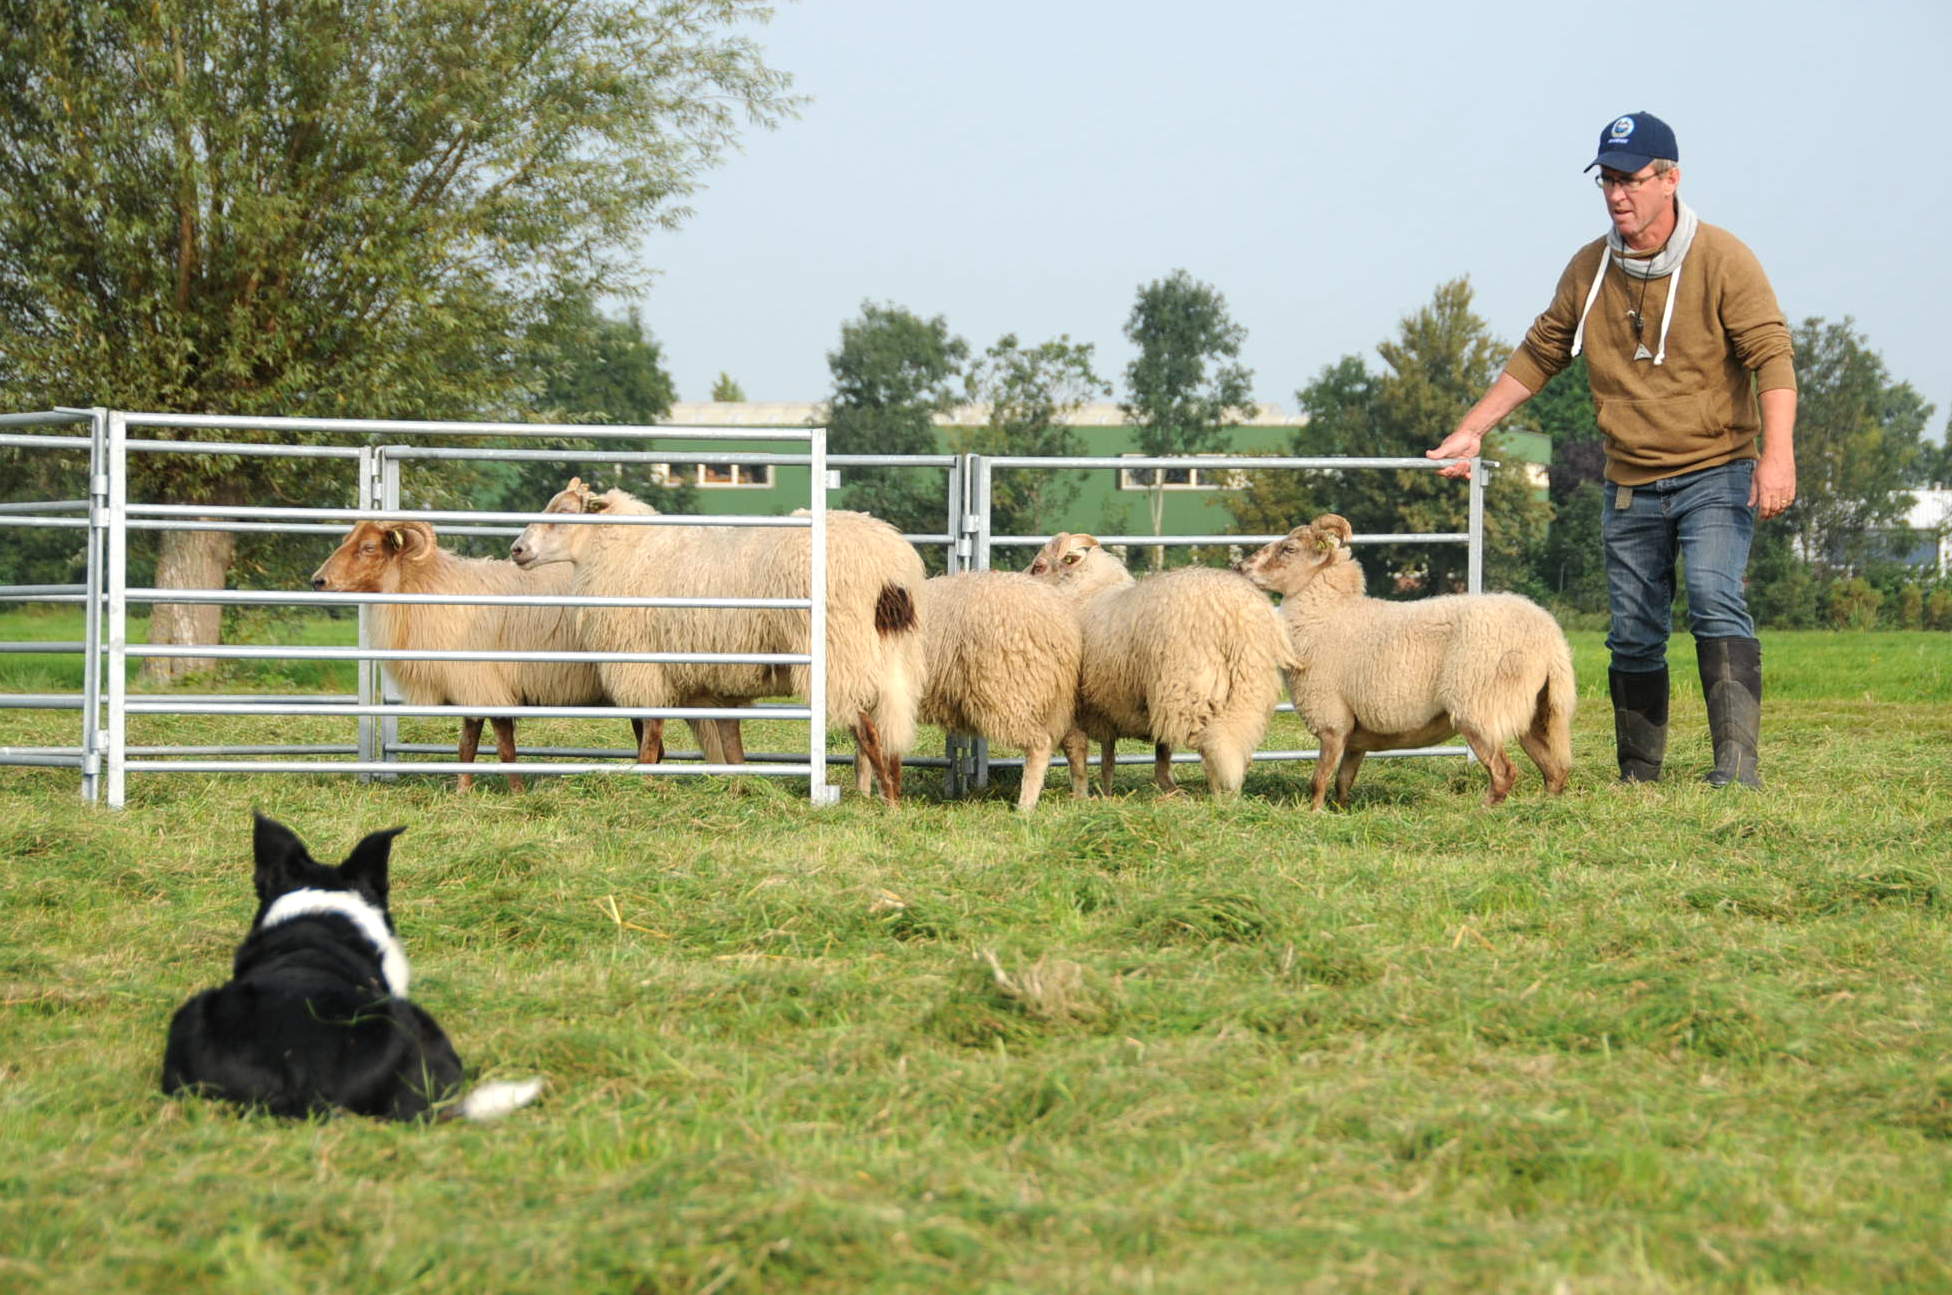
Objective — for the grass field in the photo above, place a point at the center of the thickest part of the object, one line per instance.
(1635, 1038)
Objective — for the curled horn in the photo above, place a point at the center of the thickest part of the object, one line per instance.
(1085, 540)
(1332, 532)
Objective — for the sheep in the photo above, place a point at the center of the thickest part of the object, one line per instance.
(1004, 656)
(406, 557)
(1378, 676)
(1189, 658)
(875, 667)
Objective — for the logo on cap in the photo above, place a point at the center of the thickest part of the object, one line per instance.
(1622, 129)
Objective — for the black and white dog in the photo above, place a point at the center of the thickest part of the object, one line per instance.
(316, 1016)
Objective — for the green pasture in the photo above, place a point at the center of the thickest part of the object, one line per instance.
(1652, 1038)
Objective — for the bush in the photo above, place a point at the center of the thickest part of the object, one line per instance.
(1853, 604)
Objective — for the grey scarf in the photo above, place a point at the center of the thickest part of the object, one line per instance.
(1663, 263)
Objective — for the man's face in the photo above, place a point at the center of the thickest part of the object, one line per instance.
(1636, 201)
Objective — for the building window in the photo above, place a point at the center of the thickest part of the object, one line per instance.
(731, 476)
(1188, 478)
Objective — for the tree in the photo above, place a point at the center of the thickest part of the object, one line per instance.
(894, 371)
(1859, 439)
(598, 369)
(1571, 564)
(338, 209)
(1028, 392)
(726, 391)
(1186, 384)
(1439, 364)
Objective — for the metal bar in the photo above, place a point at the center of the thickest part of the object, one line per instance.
(1212, 461)
(47, 645)
(205, 512)
(245, 449)
(114, 515)
(306, 598)
(257, 652)
(275, 528)
(567, 454)
(367, 491)
(10, 756)
(146, 705)
(523, 767)
(72, 444)
(418, 427)
(819, 791)
(43, 418)
(1474, 577)
(1424, 537)
(28, 590)
(45, 505)
(47, 523)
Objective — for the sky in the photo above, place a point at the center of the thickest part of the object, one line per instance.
(1025, 167)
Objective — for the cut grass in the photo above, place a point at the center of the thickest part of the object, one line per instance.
(1631, 1038)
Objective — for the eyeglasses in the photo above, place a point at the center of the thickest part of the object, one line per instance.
(1630, 183)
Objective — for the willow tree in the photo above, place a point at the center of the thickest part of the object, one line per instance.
(335, 207)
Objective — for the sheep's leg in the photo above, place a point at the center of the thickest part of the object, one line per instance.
(1495, 761)
(470, 743)
(1537, 741)
(1107, 766)
(1162, 767)
(1331, 743)
(705, 733)
(505, 747)
(650, 742)
(1036, 763)
(1345, 776)
(867, 739)
(729, 738)
(1077, 754)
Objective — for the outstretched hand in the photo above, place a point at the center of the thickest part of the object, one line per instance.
(1460, 444)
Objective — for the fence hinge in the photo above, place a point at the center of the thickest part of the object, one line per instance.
(98, 485)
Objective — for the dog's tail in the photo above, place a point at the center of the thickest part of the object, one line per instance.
(492, 1101)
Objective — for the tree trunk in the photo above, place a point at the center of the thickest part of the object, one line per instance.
(1157, 504)
(188, 560)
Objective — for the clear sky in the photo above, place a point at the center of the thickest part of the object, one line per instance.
(1024, 167)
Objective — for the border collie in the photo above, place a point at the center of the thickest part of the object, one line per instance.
(316, 1016)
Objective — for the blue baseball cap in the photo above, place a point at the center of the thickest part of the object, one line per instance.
(1631, 142)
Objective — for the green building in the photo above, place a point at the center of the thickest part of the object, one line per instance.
(1111, 501)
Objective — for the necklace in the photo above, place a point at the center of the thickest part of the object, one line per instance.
(1636, 316)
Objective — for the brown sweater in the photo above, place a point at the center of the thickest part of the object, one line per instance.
(1695, 410)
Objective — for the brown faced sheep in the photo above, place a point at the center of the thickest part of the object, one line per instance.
(1004, 656)
(1377, 675)
(1187, 658)
(406, 558)
(875, 666)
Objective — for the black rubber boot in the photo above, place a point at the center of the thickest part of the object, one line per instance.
(1731, 681)
(1639, 722)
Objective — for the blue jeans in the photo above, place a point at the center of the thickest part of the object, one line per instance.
(1702, 517)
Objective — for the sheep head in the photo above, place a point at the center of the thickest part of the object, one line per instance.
(370, 558)
(1078, 564)
(1297, 559)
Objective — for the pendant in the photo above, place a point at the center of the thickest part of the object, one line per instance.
(1640, 352)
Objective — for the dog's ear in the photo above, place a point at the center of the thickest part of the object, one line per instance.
(365, 867)
(282, 859)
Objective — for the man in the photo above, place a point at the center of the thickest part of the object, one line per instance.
(1689, 358)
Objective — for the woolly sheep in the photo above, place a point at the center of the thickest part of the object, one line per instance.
(406, 557)
(1187, 658)
(1378, 675)
(875, 665)
(1004, 655)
